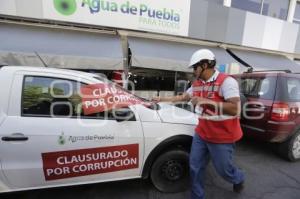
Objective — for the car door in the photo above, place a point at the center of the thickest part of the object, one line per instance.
(46, 141)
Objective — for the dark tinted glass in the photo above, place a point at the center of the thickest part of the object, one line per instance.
(275, 8)
(258, 87)
(152, 80)
(44, 96)
(249, 5)
(48, 96)
(272, 8)
(293, 88)
(297, 13)
(289, 90)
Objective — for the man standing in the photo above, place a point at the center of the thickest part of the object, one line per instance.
(217, 100)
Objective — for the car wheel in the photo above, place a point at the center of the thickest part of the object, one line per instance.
(290, 149)
(170, 171)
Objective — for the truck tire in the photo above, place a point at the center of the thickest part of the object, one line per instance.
(290, 149)
(170, 171)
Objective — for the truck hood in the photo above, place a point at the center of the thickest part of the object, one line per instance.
(172, 114)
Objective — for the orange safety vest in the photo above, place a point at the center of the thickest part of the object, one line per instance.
(213, 126)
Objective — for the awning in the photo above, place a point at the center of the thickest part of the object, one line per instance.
(59, 48)
(264, 61)
(165, 55)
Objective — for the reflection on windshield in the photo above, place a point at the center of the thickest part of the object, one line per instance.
(147, 103)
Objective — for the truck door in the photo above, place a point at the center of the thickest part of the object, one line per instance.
(46, 140)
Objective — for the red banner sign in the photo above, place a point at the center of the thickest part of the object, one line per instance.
(102, 97)
(67, 164)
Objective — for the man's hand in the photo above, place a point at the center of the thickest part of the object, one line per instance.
(232, 106)
(177, 98)
(200, 100)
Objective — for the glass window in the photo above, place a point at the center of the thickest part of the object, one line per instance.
(263, 88)
(297, 13)
(249, 5)
(44, 96)
(293, 86)
(48, 96)
(275, 8)
(217, 1)
(247, 86)
(272, 8)
(183, 82)
(151, 79)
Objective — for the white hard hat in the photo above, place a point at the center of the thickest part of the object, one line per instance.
(202, 54)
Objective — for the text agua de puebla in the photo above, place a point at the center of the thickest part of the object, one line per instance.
(96, 6)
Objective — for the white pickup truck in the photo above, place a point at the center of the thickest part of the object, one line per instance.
(53, 134)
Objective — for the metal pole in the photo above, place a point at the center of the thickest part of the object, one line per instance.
(262, 6)
(176, 76)
(126, 64)
(291, 11)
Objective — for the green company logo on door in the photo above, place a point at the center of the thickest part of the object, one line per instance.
(65, 7)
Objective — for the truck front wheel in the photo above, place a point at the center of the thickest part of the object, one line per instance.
(170, 171)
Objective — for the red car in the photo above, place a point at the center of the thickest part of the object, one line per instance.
(271, 109)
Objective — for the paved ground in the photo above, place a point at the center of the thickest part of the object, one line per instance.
(268, 177)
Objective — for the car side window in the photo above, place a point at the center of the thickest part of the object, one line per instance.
(54, 97)
(248, 86)
(260, 87)
(293, 87)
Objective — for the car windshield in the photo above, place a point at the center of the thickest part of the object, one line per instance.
(113, 84)
(147, 103)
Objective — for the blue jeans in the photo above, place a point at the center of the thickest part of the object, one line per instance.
(221, 155)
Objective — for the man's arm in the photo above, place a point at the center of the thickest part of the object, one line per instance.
(186, 96)
(231, 93)
(232, 106)
(177, 98)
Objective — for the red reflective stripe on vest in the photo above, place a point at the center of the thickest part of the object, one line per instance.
(221, 131)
